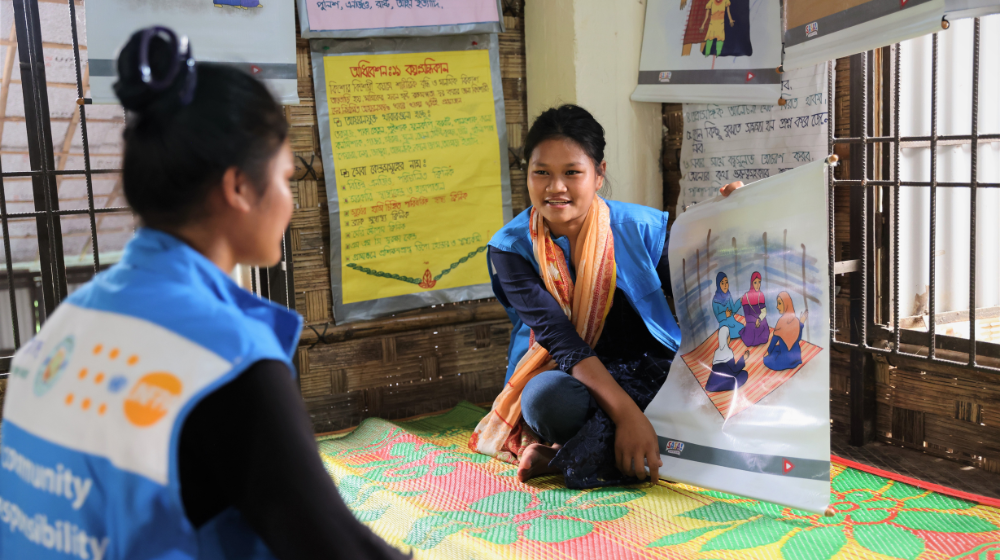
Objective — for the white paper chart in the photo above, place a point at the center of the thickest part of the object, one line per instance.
(726, 143)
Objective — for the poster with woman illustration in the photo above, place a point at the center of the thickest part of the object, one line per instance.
(710, 51)
(745, 408)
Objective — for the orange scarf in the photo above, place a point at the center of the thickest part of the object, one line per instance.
(788, 327)
(503, 433)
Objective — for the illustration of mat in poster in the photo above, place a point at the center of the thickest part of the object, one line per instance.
(716, 51)
(258, 36)
(344, 19)
(745, 408)
(419, 179)
(726, 143)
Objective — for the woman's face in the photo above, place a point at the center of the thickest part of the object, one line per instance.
(781, 306)
(270, 216)
(562, 182)
(724, 285)
(756, 284)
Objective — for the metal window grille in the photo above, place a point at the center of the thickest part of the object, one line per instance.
(873, 267)
(53, 280)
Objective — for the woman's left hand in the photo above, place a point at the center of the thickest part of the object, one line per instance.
(728, 189)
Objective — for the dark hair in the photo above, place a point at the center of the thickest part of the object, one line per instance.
(177, 149)
(571, 122)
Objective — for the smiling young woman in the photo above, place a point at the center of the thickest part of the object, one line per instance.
(584, 281)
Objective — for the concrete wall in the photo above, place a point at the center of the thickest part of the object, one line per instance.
(587, 52)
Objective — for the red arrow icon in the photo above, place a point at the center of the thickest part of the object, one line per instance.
(254, 69)
(902, 3)
(788, 466)
(749, 76)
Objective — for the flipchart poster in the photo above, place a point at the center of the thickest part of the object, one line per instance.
(344, 19)
(745, 408)
(420, 180)
(710, 51)
(257, 36)
(726, 143)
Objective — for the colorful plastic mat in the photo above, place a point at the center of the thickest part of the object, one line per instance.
(416, 484)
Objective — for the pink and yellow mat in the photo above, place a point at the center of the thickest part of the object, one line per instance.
(417, 485)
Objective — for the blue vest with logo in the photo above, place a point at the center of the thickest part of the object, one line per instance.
(96, 401)
(639, 233)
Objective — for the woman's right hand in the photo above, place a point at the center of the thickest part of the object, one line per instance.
(758, 323)
(636, 446)
(729, 313)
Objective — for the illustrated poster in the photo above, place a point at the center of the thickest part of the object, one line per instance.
(343, 19)
(710, 51)
(420, 183)
(726, 143)
(745, 408)
(258, 36)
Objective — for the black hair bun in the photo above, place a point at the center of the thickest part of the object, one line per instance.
(139, 96)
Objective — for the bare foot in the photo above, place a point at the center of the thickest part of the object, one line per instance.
(535, 461)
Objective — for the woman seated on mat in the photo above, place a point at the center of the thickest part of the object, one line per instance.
(727, 373)
(755, 314)
(723, 306)
(785, 352)
(583, 282)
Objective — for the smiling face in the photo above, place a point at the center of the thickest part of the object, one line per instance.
(756, 284)
(724, 285)
(562, 183)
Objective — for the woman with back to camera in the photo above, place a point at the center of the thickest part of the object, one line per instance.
(160, 397)
(583, 280)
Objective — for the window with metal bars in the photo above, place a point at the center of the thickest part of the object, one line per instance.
(921, 267)
(62, 212)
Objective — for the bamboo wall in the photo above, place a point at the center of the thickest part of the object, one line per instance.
(412, 363)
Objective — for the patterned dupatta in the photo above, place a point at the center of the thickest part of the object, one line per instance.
(503, 433)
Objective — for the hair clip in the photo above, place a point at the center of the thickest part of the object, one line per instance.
(182, 58)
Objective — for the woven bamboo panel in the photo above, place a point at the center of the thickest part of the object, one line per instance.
(944, 411)
(422, 361)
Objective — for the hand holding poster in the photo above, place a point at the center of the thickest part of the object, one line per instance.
(745, 408)
(420, 182)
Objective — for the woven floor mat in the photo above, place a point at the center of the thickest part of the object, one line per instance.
(417, 485)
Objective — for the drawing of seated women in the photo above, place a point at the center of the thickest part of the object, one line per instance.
(724, 307)
(727, 373)
(785, 352)
(755, 312)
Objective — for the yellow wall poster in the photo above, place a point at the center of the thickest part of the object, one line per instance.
(417, 167)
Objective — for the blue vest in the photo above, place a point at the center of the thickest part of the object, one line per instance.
(96, 402)
(639, 232)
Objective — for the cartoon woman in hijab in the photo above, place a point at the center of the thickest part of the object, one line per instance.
(784, 352)
(727, 373)
(716, 12)
(755, 311)
(724, 307)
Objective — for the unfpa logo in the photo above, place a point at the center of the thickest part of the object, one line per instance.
(151, 398)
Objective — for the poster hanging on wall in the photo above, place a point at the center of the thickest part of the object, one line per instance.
(258, 37)
(714, 51)
(819, 30)
(745, 408)
(415, 134)
(351, 19)
(726, 143)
